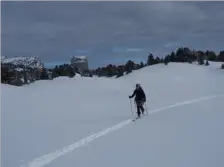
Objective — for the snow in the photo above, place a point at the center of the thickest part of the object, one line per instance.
(80, 61)
(216, 65)
(87, 121)
(79, 58)
(19, 69)
(33, 62)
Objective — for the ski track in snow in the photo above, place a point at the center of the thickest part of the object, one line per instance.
(48, 158)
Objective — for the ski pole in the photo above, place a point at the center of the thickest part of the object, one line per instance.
(146, 108)
(131, 108)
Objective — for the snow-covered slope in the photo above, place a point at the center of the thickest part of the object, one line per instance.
(32, 62)
(48, 123)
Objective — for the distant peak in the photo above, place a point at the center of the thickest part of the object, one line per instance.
(80, 57)
(32, 62)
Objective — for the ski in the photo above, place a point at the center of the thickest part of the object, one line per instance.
(136, 118)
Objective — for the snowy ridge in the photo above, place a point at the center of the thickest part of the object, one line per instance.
(32, 62)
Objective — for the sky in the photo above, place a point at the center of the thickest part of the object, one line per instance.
(108, 32)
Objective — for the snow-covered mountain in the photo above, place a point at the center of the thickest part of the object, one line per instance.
(87, 121)
(78, 59)
(32, 62)
(80, 62)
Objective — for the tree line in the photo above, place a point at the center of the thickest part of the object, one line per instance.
(182, 54)
(11, 75)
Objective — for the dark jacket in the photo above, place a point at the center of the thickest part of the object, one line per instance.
(139, 95)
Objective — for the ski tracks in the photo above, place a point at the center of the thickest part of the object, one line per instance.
(48, 158)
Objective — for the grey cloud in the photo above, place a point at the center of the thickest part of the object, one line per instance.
(55, 30)
(135, 50)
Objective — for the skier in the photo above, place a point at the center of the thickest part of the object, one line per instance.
(140, 98)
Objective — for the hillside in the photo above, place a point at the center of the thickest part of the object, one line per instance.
(43, 124)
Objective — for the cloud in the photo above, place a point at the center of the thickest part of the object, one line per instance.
(55, 29)
(171, 44)
(124, 49)
(134, 50)
(81, 51)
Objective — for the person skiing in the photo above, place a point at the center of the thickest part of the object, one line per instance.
(140, 98)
